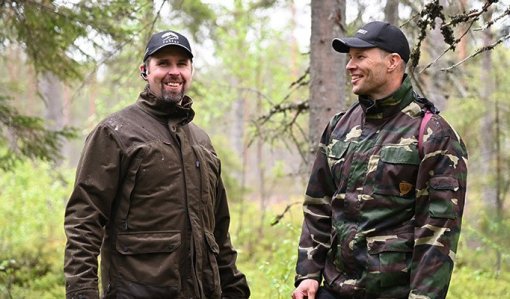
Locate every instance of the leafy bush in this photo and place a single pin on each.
(32, 202)
(472, 283)
(267, 254)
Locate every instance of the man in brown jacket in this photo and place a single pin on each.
(149, 197)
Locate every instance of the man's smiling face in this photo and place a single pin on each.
(169, 73)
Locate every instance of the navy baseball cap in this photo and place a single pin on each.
(166, 38)
(376, 35)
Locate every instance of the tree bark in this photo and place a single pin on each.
(51, 91)
(487, 148)
(462, 46)
(327, 68)
(490, 146)
(391, 12)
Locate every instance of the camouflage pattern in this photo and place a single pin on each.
(382, 220)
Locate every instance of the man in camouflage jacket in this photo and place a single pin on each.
(382, 214)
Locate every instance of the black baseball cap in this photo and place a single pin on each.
(166, 38)
(376, 35)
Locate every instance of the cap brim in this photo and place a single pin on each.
(343, 45)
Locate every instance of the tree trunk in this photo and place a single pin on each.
(51, 90)
(462, 46)
(327, 68)
(487, 133)
(391, 12)
(239, 148)
(499, 182)
(261, 167)
(490, 146)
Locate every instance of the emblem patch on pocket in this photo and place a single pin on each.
(405, 188)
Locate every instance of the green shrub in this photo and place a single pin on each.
(267, 254)
(32, 202)
(473, 283)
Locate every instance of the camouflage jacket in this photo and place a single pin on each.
(381, 219)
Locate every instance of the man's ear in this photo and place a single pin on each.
(394, 61)
(143, 71)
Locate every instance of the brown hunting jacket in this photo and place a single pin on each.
(381, 218)
(149, 198)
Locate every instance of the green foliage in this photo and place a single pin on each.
(475, 275)
(253, 70)
(278, 268)
(62, 38)
(473, 283)
(230, 165)
(267, 256)
(55, 35)
(26, 137)
(196, 14)
(490, 238)
(31, 235)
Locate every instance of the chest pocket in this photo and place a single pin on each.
(336, 152)
(397, 170)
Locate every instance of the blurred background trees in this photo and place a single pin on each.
(266, 83)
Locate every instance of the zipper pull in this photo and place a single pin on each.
(197, 164)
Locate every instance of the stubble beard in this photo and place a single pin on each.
(172, 97)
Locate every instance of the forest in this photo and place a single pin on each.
(265, 84)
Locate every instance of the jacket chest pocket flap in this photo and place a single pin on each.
(148, 242)
(397, 171)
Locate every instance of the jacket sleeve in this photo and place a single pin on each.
(233, 282)
(88, 210)
(440, 197)
(315, 237)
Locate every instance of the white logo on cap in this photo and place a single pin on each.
(169, 37)
(362, 31)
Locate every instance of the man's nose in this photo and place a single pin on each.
(350, 65)
(173, 70)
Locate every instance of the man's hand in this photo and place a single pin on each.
(306, 289)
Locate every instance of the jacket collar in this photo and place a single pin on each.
(164, 110)
(383, 108)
